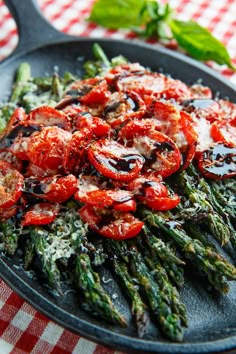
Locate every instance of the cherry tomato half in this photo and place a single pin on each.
(40, 214)
(49, 116)
(218, 162)
(224, 131)
(153, 193)
(103, 198)
(56, 189)
(123, 106)
(161, 153)
(46, 148)
(11, 185)
(115, 161)
(116, 225)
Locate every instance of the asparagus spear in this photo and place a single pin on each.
(10, 237)
(206, 258)
(169, 260)
(118, 252)
(138, 308)
(170, 323)
(170, 291)
(225, 194)
(200, 204)
(29, 253)
(21, 83)
(41, 245)
(95, 299)
(161, 248)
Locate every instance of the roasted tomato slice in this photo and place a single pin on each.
(40, 214)
(8, 156)
(142, 83)
(11, 185)
(115, 161)
(90, 91)
(153, 193)
(49, 116)
(160, 152)
(224, 131)
(96, 125)
(203, 107)
(46, 148)
(75, 150)
(122, 107)
(7, 213)
(218, 162)
(116, 225)
(56, 189)
(17, 116)
(103, 198)
(175, 89)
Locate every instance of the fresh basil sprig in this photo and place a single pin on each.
(149, 18)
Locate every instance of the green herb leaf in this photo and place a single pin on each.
(117, 13)
(199, 42)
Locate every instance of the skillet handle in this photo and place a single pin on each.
(34, 30)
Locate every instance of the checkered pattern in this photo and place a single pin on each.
(23, 329)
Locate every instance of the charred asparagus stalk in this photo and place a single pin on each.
(39, 238)
(170, 291)
(170, 323)
(118, 252)
(95, 299)
(208, 260)
(21, 83)
(201, 205)
(138, 308)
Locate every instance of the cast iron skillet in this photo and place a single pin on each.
(212, 318)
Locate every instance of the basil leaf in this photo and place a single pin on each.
(199, 42)
(117, 13)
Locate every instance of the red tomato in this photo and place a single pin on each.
(41, 214)
(176, 89)
(115, 161)
(56, 189)
(228, 109)
(160, 152)
(95, 124)
(152, 192)
(46, 148)
(75, 150)
(144, 84)
(203, 108)
(17, 116)
(224, 131)
(7, 213)
(49, 116)
(103, 198)
(121, 107)
(200, 91)
(36, 171)
(90, 91)
(8, 156)
(11, 185)
(187, 143)
(219, 161)
(119, 226)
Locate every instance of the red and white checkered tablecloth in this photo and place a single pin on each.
(22, 328)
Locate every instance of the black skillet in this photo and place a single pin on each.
(212, 318)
